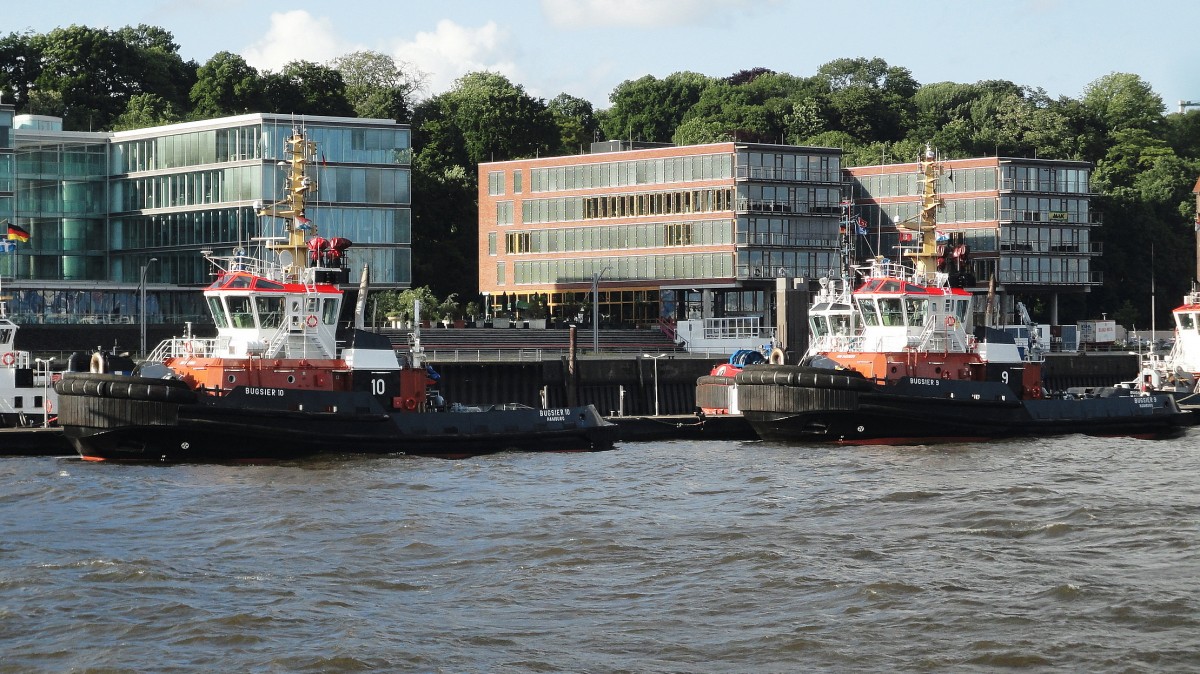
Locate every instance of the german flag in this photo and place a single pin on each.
(17, 233)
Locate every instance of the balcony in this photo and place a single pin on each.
(1046, 278)
(795, 175)
(1038, 248)
(787, 207)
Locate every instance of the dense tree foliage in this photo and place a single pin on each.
(1146, 161)
(227, 85)
(377, 86)
(578, 125)
(649, 109)
(306, 88)
(483, 117)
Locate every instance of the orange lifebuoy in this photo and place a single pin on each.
(9, 358)
(311, 321)
(410, 404)
(950, 321)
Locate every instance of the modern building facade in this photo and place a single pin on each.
(1027, 222)
(660, 232)
(109, 211)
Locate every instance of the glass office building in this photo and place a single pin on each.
(102, 208)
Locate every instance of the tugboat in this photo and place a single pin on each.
(894, 358)
(27, 396)
(1178, 372)
(273, 383)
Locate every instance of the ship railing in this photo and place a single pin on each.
(182, 347)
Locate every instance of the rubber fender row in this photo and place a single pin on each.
(123, 386)
(714, 379)
(799, 375)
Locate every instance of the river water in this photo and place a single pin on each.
(1072, 554)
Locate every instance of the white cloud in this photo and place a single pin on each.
(639, 13)
(451, 51)
(296, 36)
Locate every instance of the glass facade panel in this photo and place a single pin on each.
(98, 206)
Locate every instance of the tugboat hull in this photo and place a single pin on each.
(836, 408)
(110, 417)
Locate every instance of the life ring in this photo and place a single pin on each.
(49, 405)
(410, 404)
(950, 321)
(10, 358)
(777, 356)
(188, 348)
(311, 321)
(98, 364)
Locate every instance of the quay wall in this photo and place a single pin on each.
(621, 383)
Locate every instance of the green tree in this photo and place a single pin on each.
(650, 109)
(226, 85)
(1123, 101)
(868, 98)
(754, 106)
(306, 88)
(157, 68)
(498, 120)
(145, 110)
(96, 71)
(20, 65)
(378, 86)
(1183, 133)
(577, 124)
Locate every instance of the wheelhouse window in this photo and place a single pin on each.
(329, 311)
(870, 313)
(270, 311)
(891, 310)
(218, 312)
(241, 314)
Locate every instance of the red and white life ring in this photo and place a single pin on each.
(9, 358)
(950, 321)
(49, 405)
(311, 321)
(188, 348)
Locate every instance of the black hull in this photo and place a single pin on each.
(924, 411)
(241, 428)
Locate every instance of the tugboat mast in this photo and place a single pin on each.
(925, 259)
(291, 209)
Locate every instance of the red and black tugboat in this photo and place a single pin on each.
(273, 383)
(894, 357)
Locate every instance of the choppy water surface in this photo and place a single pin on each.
(1078, 554)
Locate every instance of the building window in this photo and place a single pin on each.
(677, 234)
(517, 182)
(495, 183)
(504, 213)
(517, 242)
(491, 243)
(499, 273)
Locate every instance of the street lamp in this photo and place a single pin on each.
(142, 290)
(655, 359)
(596, 309)
(44, 364)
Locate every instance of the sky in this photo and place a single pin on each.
(587, 47)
